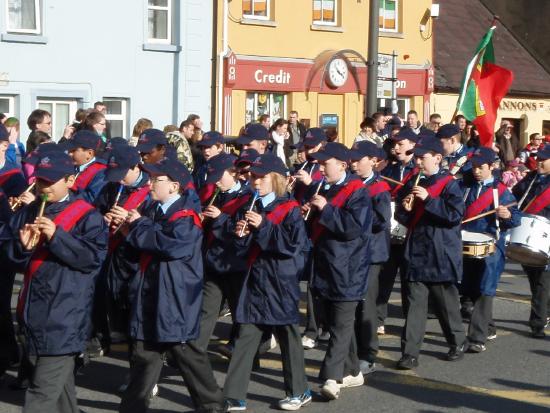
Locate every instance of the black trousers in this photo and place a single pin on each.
(8, 343)
(145, 368)
(447, 310)
(216, 289)
(387, 277)
(539, 281)
(52, 385)
(292, 353)
(341, 357)
(366, 319)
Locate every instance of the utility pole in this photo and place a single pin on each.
(372, 60)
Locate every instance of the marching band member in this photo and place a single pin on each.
(432, 209)
(365, 157)
(534, 194)
(455, 154)
(340, 232)
(166, 293)
(243, 162)
(59, 243)
(211, 145)
(153, 146)
(255, 136)
(481, 275)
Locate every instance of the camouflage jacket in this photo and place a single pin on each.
(183, 150)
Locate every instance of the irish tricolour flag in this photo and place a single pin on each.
(483, 87)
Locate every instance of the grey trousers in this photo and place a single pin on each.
(366, 319)
(480, 320)
(51, 386)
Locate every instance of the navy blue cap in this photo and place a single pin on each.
(544, 153)
(211, 138)
(267, 163)
(247, 157)
(121, 159)
(448, 131)
(217, 165)
(4, 135)
(426, 134)
(171, 168)
(382, 154)
(314, 136)
(53, 166)
(405, 133)
(427, 145)
(332, 150)
(41, 150)
(362, 149)
(483, 155)
(253, 132)
(84, 139)
(149, 139)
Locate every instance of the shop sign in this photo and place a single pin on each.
(522, 106)
(281, 78)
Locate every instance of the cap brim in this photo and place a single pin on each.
(320, 156)
(116, 174)
(243, 140)
(418, 151)
(145, 147)
(152, 169)
(214, 177)
(51, 179)
(356, 155)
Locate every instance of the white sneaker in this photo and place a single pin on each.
(366, 367)
(381, 331)
(272, 343)
(308, 343)
(330, 389)
(154, 392)
(353, 381)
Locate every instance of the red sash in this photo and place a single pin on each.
(206, 193)
(65, 220)
(85, 177)
(434, 191)
(405, 179)
(230, 208)
(146, 258)
(539, 203)
(483, 201)
(377, 188)
(133, 201)
(8, 174)
(338, 201)
(276, 217)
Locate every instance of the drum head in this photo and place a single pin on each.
(525, 255)
(476, 237)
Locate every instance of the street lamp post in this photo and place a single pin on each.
(372, 74)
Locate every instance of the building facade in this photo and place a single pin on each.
(310, 56)
(144, 58)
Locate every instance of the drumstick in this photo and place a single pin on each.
(416, 184)
(316, 193)
(256, 195)
(36, 236)
(529, 204)
(393, 181)
(484, 214)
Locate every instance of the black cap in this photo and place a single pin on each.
(217, 165)
(211, 138)
(253, 132)
(149, 139)
(364, 148)
(405, 133)
(4, 135)
(332, 150)
(53, 166)
(544, 153)
(121, 159)
(314, 136)
(84, 139)
(448, 131)
(171, 168)
(41, 150)
(247, 157)
(483, 155)
(427, 145)
(267, 163)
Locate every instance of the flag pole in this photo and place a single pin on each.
(493, 23)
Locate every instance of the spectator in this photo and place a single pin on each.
(434, 123)
(512, 175)
(95, 122)
(182, 147)
(16, 150)
(528, 156)
(141, 125)
(367, 133)
(507, 142)
(413, 122)
(265, 121)
(332, 134)
(187, 130)
(197, 124)
(380, 126)
(40, 120)
(297, 132)
(3, 118)
(280, 139)
(101, 107)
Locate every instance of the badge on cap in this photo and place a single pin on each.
(45, 162)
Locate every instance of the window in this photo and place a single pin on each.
(62, 112)
(324, 12)
(256, 9)
(159, 15)
(117, 115)
(260, 103)
(7, 105)
(23, 16)
(387, 20)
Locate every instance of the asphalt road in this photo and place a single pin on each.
(511, 376)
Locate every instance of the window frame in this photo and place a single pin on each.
(255, 114)
(11, 105)
(322, 22)
(116, 117)
(37, 16)
(267, 17)
(383, 29)
(73, 106)
(169, 10)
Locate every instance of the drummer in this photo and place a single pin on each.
(533, 193)
(481, 275)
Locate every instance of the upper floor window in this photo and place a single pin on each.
(159, 15)
(23, 16)
(388, 15)
(324, 12)
(256, 9)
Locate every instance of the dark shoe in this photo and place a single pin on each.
(466, 313)
(19, 385)
(407, 363)
(225, 350)
(476, 348)
(455, 353)
(538, 333)
(492, 334)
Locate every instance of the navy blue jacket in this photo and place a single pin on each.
(271, 291)
(15, 184)
(465, 172)
(398, 172)
(166, 298)
(433, 250)
(541, 184)
(379, 244)
(92, 190)
(340, 255)
(58, 306)
(199, 176)
(303, 192)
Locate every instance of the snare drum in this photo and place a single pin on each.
(530, 242)
(477, 245)
(398, 231)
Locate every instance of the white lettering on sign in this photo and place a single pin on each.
(401, 84)
(281, 78)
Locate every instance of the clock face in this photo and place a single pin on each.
(337, 72)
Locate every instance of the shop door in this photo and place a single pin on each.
(331, 105)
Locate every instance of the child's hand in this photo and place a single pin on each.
(254, 219)
(26, 234)
(133, 215)
(46, 227)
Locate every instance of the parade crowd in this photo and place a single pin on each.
(148, 240)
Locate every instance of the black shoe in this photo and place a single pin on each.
(19, 384)
(455, 353)
(407, 363)
(466, 313)
(538, 333)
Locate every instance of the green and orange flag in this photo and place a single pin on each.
(483, 87)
